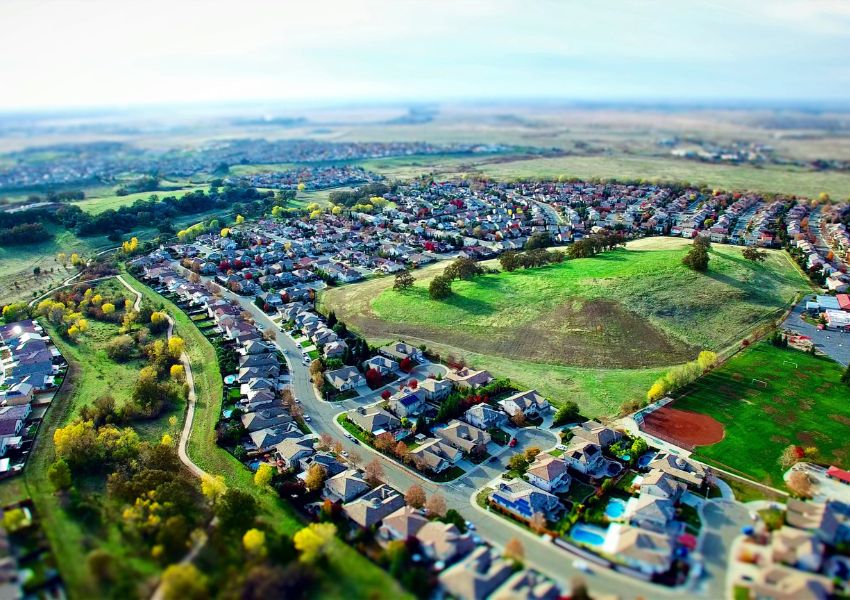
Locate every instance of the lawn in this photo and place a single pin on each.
(348, 574)
(596, 330)
(96, 204)
(804, 403)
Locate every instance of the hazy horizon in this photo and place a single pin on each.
(92, 55)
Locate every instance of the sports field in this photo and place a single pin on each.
(629, 310)
(767, 398)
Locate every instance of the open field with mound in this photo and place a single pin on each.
(796, 399)
(628, 310)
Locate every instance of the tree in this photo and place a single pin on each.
(415, 496)
(254, 542)
(177, 372)
(108, 308)
(264, 474)
(790, 456)
(697, 257)
(754, 254)
(656, 392)
(462, 268)
(568, 412)
(184, 581)
(384, 442)
(240, 219)
(76, 443)
(403, 280)
(236, 510)
(314, 541)
(373, 378)
(213, 488)
(706, 359)
(401, 451)
(515, 551)
(440, 287)
(59, 475)
(509, 260)
(374, 473)
(315, 478)
(800, 484)
(518, 462)
(538, 522)
(176, 345)
(16, 311)
(436, 505)
(120, 348)
(166, 440)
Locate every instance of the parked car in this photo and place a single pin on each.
(512, 443)
(307, 418)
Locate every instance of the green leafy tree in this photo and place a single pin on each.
(403, 281)
(440, 288)
(59, 475)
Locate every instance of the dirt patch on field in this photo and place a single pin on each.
(682, 427)
(592, 333)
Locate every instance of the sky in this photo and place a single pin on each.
(73, 53)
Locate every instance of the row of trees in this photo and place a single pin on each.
(461, 268)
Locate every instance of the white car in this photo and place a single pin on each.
(582, 565)
(307, 418)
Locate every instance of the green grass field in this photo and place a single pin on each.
(602, 321)
(96, 204)
(747, 178)
(804, 404)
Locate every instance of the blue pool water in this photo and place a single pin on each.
(588, 534)
(645, 459)
(230, 379)
(615, 509)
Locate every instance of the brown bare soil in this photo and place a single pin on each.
(683, 427)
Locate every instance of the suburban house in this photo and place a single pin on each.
(291, 451)
(466, 378)
(464, 437)
(652, 513)
(374, 419)
(406, 404)
(346, 378)
(647, 551)
(484, 417)
(476, 576)
(796, 548)
(371, 508)
(528, 585)
(659, 484)
(435, 389)
(398, 351)
(266, 439)
(597, 433)
(381, 364)
(530, 403)
(585, 457)
(443, 541)
(402, 524)
(435, 455)
(779, 582)
(345, 487)
(523, 500)
(687, 471)
(549, 473)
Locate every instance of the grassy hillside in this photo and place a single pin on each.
(619, 318)
(804, 403)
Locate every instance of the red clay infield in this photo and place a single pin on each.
(683, 428)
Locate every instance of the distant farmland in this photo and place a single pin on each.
(621, 317)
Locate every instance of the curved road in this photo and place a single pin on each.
(540, 554)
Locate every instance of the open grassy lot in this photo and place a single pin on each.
(96, 204)
(804, 403)
(630, 312)
(348, 574)
(768, 179)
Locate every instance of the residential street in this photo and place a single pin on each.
(540, 554)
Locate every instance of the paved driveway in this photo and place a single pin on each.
(834, 344)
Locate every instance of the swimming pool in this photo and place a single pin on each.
(615, 509)
(588, 534)
(645, 459)
(230, 379)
